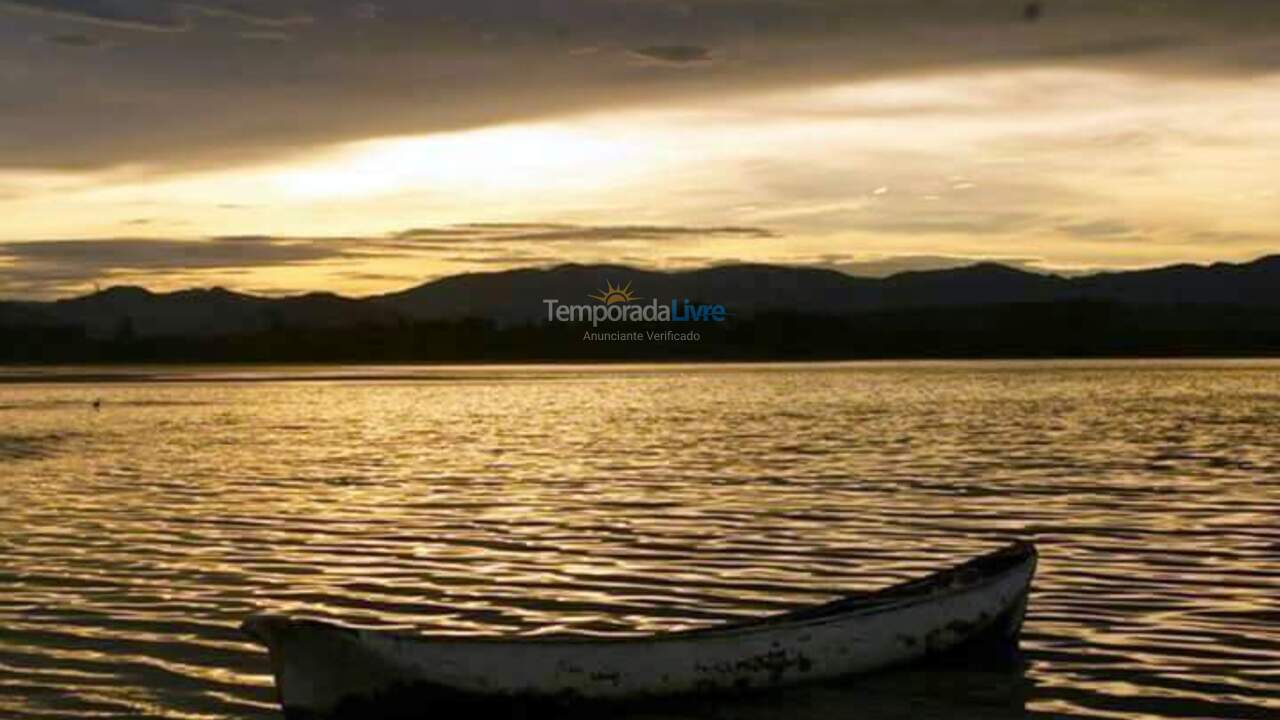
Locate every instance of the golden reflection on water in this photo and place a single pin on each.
(634, 499)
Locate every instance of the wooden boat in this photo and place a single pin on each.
(326, 670)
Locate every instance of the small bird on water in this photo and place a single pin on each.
(1032, 11)
(97, 403)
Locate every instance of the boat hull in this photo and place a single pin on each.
(325, 670)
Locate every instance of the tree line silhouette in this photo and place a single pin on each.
(1056, 329)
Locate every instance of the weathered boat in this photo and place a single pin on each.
(326, 670)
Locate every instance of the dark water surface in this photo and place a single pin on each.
(134, 538)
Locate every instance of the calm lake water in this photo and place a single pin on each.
(134, 538)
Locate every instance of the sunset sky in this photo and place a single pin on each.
(360, 147)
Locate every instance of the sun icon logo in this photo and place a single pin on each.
(614, 294)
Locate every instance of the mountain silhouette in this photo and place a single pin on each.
(774, 312)
(749, 289)
(516, 296)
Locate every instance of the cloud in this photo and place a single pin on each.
(46, 267)
(514, 259)
(415, 67)
(948, 222)
(43, 268)
(152, 15)
(143, 254)
(881, 267)
(674, 54)
(77, 40)
(379, 277)
(253, 14)
(155, 15)
(1096, 229)
(266, 35)
(1226, 236)
(564, 233)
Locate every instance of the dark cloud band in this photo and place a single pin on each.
(48, 267)
(411, 67)
(153, 15)
(674, 54)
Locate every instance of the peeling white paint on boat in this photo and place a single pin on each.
(320, 666)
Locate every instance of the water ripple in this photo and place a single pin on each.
(639, 499)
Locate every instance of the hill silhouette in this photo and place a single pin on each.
(776, 311)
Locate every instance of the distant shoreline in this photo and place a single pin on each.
(257, 372)
(1010, 331)
(770, 314)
